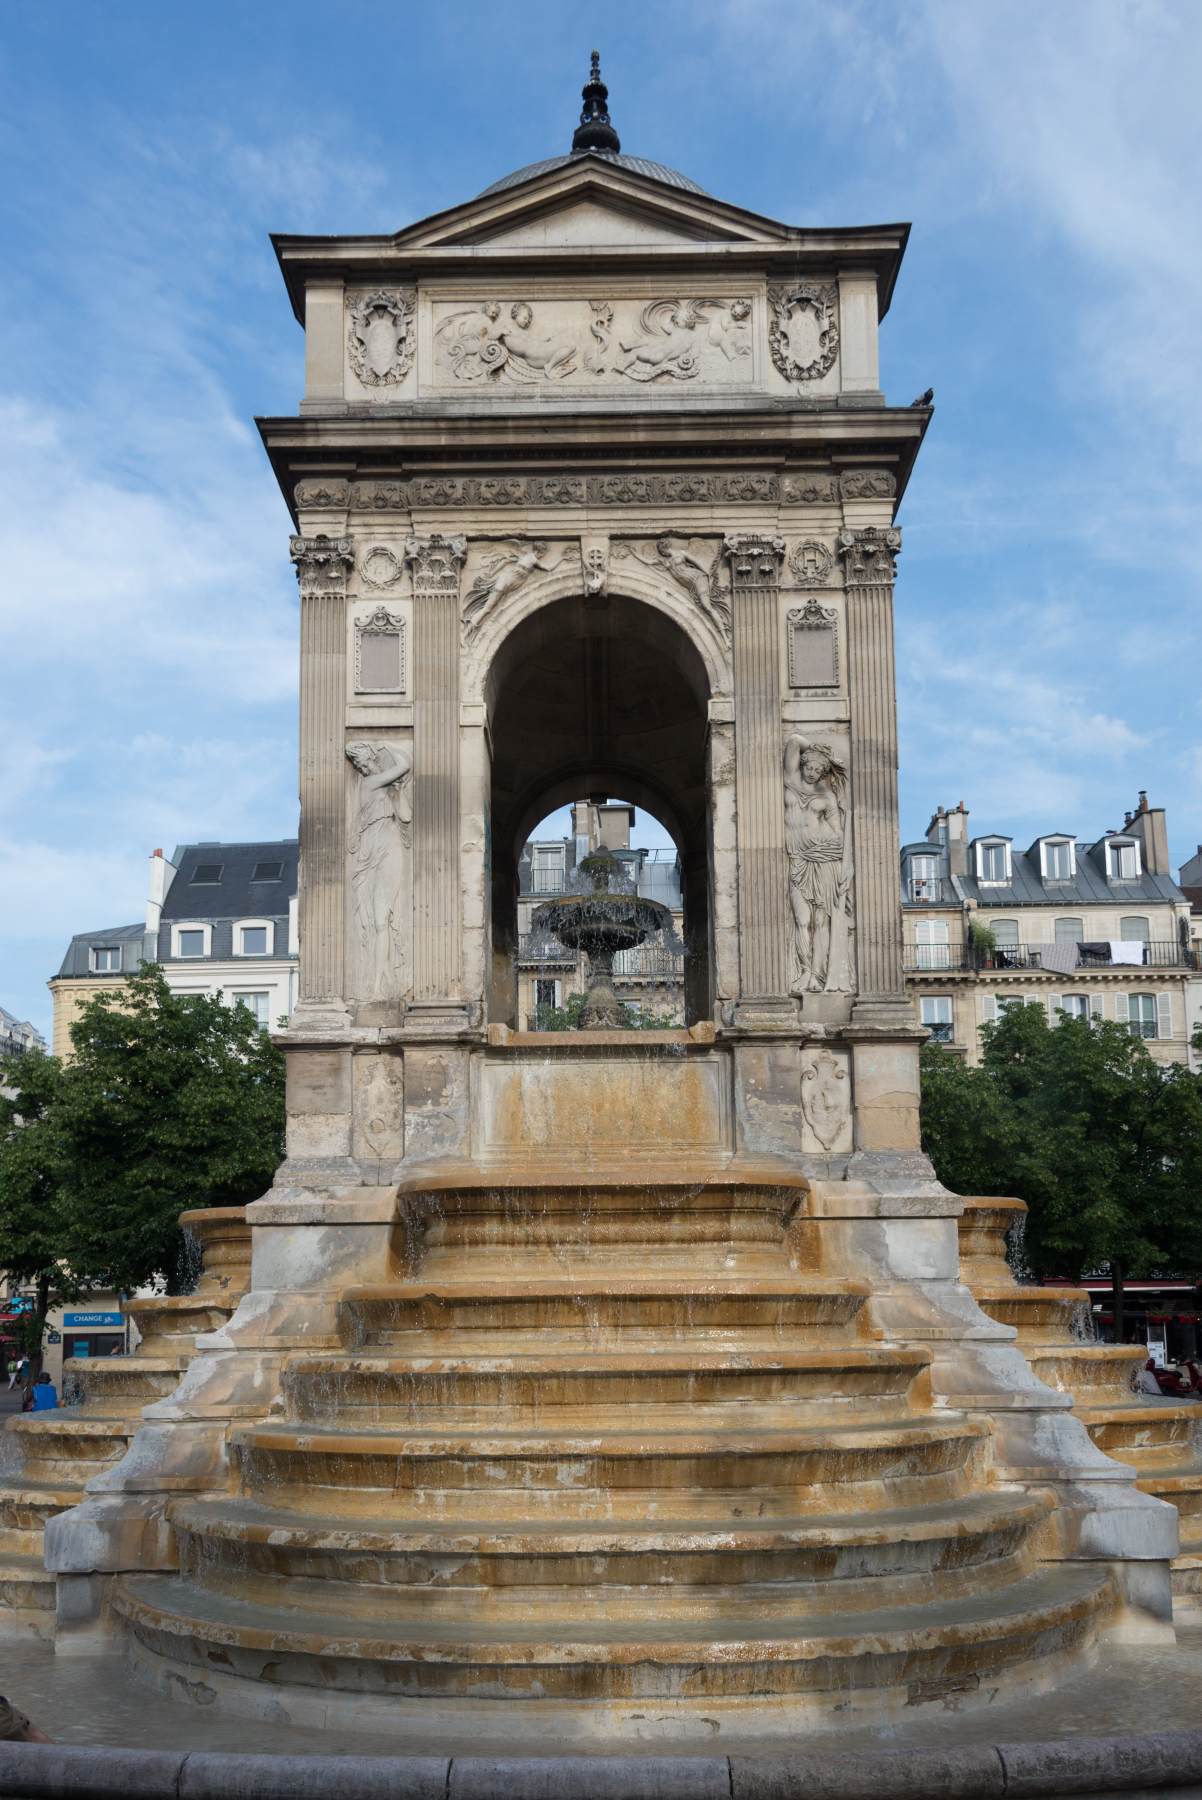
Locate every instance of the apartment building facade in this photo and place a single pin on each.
(219, 918)
(1097, 929)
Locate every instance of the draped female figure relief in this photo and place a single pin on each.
(818, 847)
(379, 839)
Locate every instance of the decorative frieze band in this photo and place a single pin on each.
(680, 489)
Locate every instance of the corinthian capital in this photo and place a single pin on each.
(436, 562)
(870, 556)
(754, 558)
(322, 563)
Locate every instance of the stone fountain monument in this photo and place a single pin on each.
(601, 1383)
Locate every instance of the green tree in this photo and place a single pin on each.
(1076, 1118)
(172, 1101)
(30, 1196)
(567, 1017)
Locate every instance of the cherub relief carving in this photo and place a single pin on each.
(500, 575)
(818, 846)
(380, 835)
(668, 345)
(551, 354)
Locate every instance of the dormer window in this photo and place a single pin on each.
(993, 861)
(1122, 860)
(1058, 859)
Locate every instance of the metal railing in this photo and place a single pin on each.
(925, 959)
(541, 947)
(929, 890)
(650, 959)
(941, 1031)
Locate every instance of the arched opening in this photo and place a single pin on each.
(587, 699)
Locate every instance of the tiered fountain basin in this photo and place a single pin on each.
(1160, 1438)
(57, 1453)
(597, 1446)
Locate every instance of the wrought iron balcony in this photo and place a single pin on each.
(651, 960)
(541, 948)
(927, 959)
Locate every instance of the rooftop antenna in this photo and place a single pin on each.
(595, 130)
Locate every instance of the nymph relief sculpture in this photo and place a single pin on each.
(380, 834)
(818, 846)
(501, 575)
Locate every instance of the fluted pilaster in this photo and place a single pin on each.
(437, 910)
(869, 558)
(763, 868)
(322, 564)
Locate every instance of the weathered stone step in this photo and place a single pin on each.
(976, 1636)
(559, 1473)
(66, 1447)
(116, 1383)
(1145, 1432)
(244, 1548)
(1095, 1374)
(391, 1389)
(27, 1596)
(26, 1505)
(685, 1304)
(1040, 1315)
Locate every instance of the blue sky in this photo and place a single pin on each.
(1048, 602)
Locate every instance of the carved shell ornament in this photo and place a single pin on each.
(803, 330)
(381, 336)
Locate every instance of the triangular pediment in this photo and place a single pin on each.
(595, 204)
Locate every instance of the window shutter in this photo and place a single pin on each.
(1164, 1015)
(1055, 1007)
(1120, 1008)
(1095, 1006)
(988, 1009)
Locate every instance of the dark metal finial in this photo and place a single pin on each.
(595, 130)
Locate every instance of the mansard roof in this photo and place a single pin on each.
(234, 894)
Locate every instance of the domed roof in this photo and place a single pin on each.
(641, 165)
(595, 136)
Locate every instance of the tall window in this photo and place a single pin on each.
(546, 868)
(257, 1004)
(935, 1010)
(1141, 1015)
(1007, 1002)
(1005, 933)
(1058, 860)
(1134, 930)
(993, 862)
(1122, 862)
(546, 994)
(106, 959)
(930, 936)
(1075, 1005)
(1069, 931)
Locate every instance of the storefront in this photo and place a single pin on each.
(92, 1334)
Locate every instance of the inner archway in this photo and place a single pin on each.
(592, 697)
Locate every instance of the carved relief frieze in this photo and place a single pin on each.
(583, 342)
(813, 646)
(380, 335)
(808, 490)
(379, 660)
(819, 855)
(574, 490)
(812, 563)
(870, 556)
(321, 493)
(378, 846)
(867, 484)
(826, 1099)
(695, 565)
(499, 574)
(322, 563)
(803, 329)
(380, 567)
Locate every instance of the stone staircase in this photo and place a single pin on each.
(607, 1443)
(50, 1457)
(1159, 1437)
